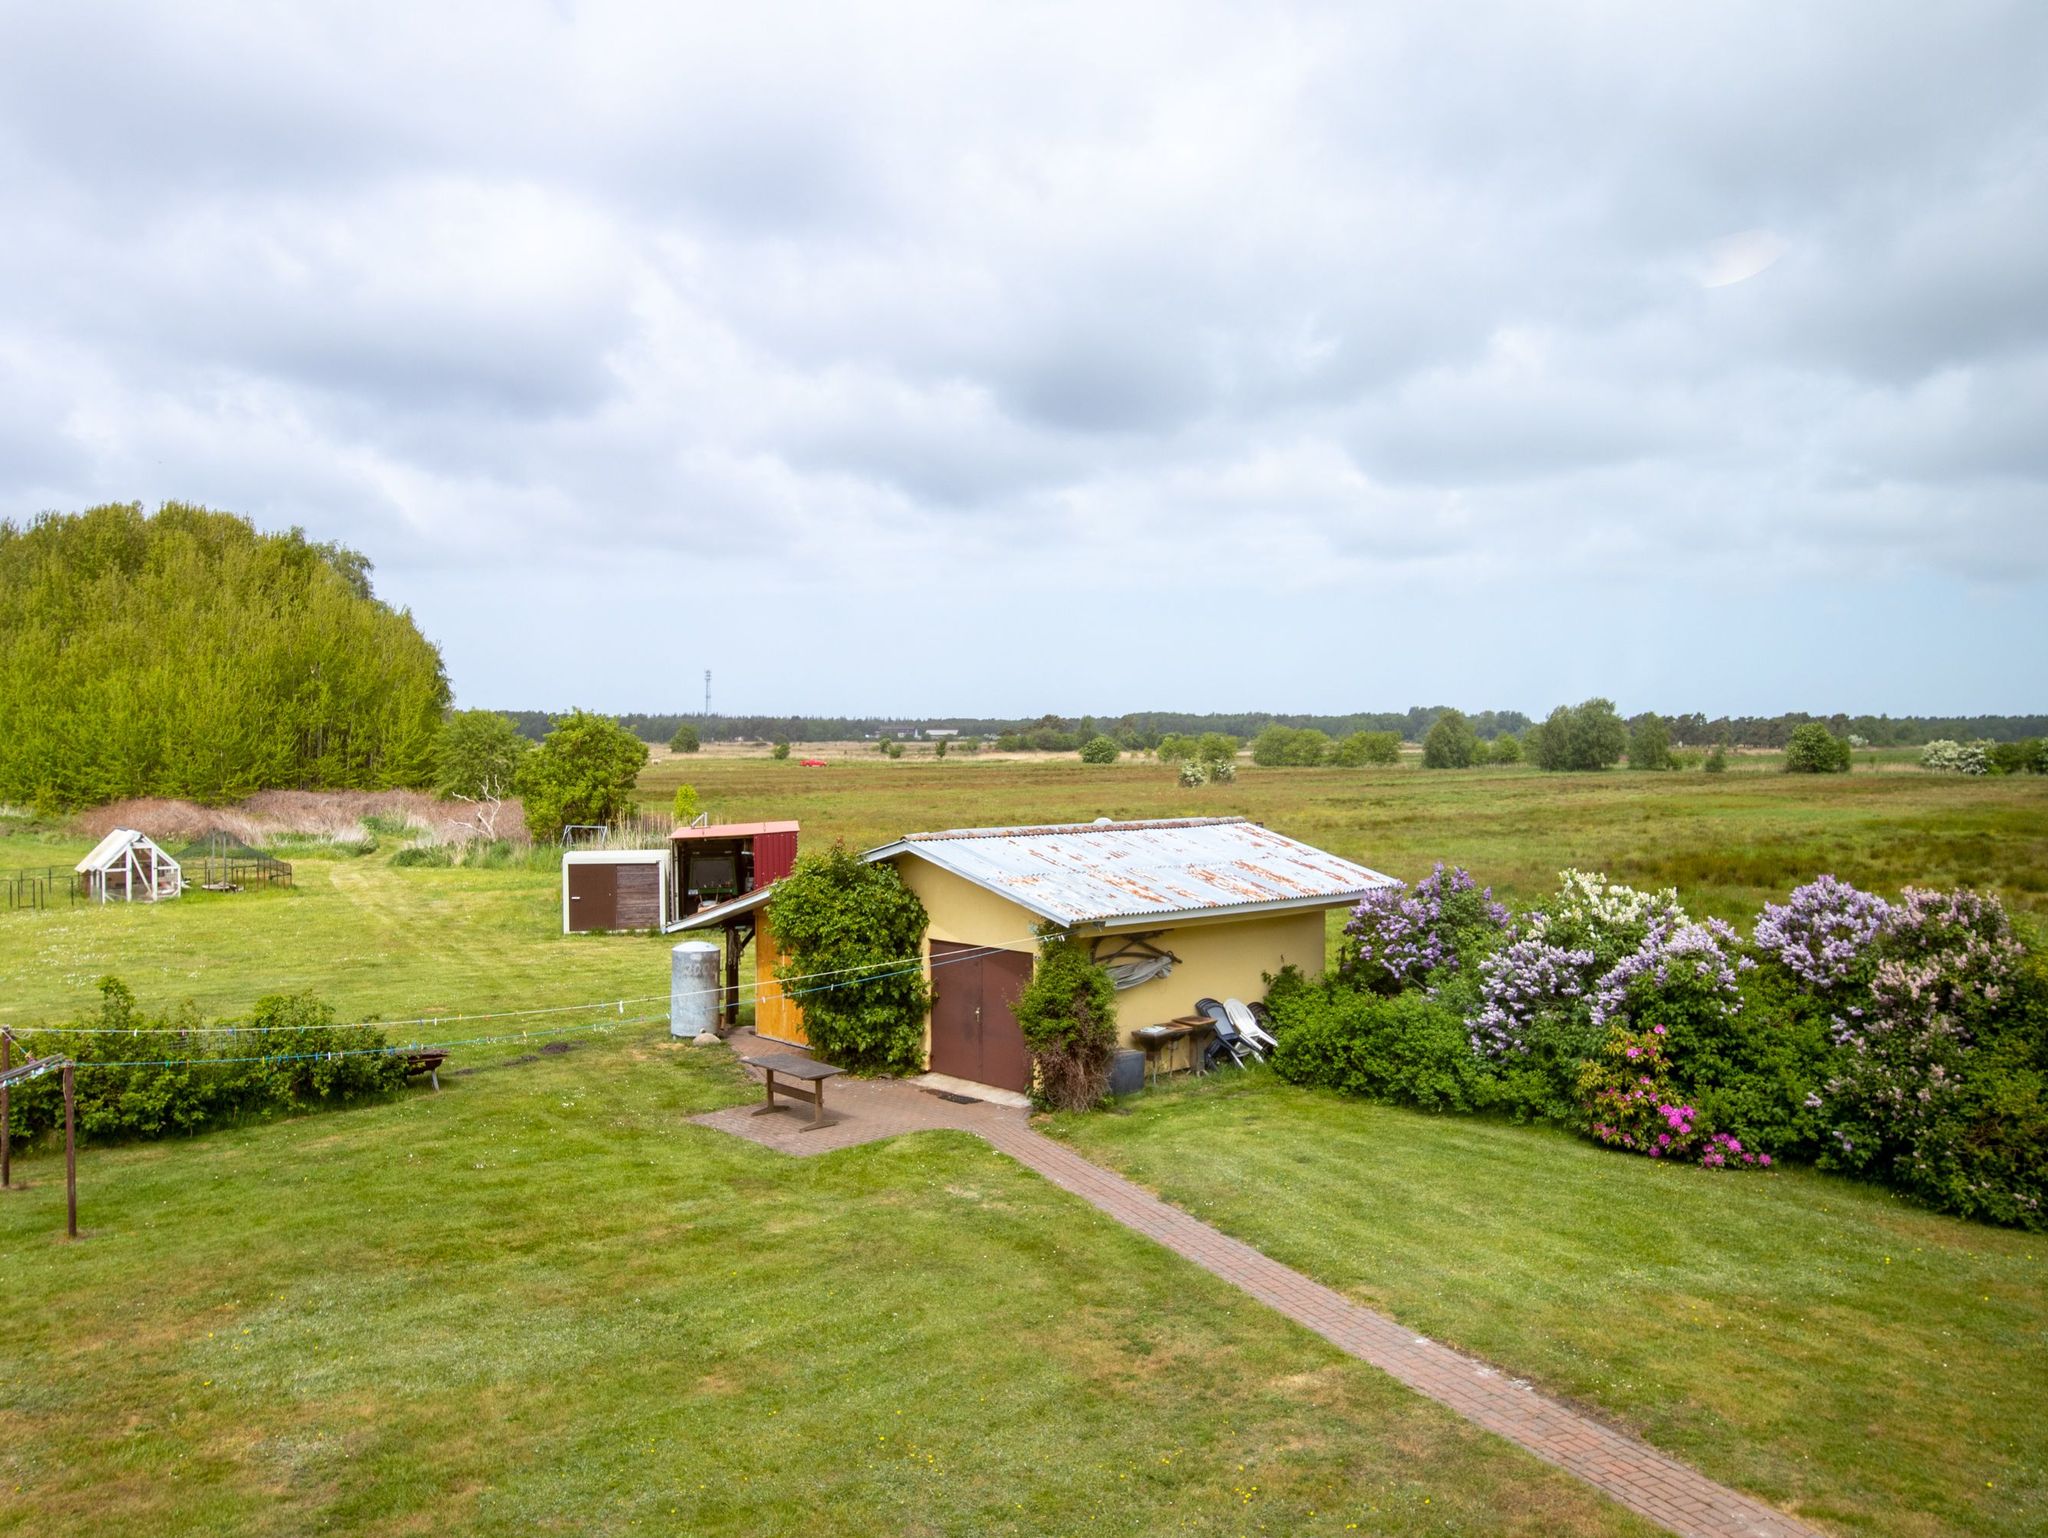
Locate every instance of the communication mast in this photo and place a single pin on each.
(707, 694)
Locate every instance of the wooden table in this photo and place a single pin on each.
(1165, 1037)
(805, 1071)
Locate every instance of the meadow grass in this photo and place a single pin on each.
(1820, 1343)
(1730, 842)
(543, 1302)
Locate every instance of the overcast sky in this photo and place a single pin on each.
(1007, 358)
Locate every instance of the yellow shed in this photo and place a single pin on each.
(1177, 910)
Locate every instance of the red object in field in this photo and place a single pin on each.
(811, 763)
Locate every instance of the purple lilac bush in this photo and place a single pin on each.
(1518, 984)
(1822, 934)
(1686, 958)
(1397, 936)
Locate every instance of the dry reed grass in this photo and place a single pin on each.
(329, 816)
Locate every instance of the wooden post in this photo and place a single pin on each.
(70, 1159)
(6, 1125)
(731, 1010)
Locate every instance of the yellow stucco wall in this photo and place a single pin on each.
(964, 913)
(1220, 959)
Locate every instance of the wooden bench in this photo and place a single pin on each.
(804, 1071)
(428, 1063)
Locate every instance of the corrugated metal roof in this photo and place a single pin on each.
(1083, 873)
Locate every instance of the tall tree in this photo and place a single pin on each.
(186, 654)
(1649, 742)
(1584, 736)
(583, 772)
(1450, 742)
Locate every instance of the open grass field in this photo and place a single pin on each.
(1730, 842)
(1817, 1342)
(542, 1302)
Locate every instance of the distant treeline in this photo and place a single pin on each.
(1144, 729)
(185, 654)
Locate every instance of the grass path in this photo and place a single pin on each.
(1822, 1344)
(541, 1302)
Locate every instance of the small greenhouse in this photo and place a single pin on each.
(127, 866)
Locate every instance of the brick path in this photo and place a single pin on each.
(1638, 1476)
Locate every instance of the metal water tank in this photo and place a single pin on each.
(693, 989)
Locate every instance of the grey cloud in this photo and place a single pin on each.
(841, 302)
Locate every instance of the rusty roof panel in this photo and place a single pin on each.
(1089, 872)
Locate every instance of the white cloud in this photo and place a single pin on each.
(1740, 257)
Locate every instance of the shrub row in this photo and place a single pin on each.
(1905, 1041)
(148, 1076)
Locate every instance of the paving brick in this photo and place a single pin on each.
(1632, 1472)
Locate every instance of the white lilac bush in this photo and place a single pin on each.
(1951, 757)
(1592, 913)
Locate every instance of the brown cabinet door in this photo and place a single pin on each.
(975, 1035)
(593, 897)
(1005, 1060)
(956, 1009)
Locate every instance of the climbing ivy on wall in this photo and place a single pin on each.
(851, 934)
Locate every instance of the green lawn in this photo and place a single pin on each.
(541, 1302)
(1817, 1342)
(370, 938)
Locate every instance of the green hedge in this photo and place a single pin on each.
(1406, 1049)
(148, 1076)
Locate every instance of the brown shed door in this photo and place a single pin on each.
(593, 897)
(974, 1033)
(636, 898)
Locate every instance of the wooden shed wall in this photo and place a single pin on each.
(776, 1014)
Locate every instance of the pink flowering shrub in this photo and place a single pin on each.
(1629, 1098)
(1724, 1151)
(1631, 1102)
